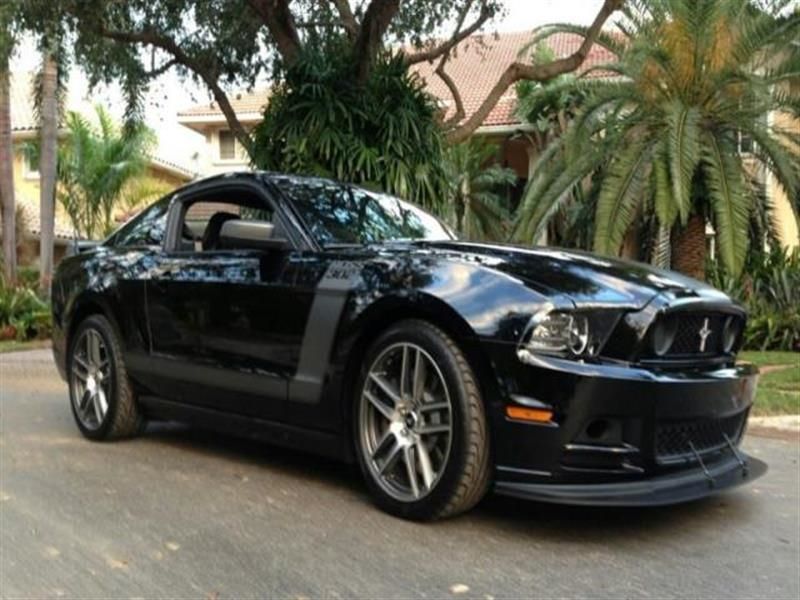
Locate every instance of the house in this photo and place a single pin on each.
(24, 129)
(223, 152)
(474, 66)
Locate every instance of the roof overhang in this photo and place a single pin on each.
(510, 129)
(31, 134)
(159, 164)
(202, 123)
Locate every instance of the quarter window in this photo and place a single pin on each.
(145, 229)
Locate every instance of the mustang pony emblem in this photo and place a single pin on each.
(704, 333)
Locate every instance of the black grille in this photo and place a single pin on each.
(674, 439)
(688, 335)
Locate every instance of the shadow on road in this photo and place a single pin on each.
(539, 520)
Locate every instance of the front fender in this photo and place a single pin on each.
(471, 302)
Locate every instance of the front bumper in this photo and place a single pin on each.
(681, 486)
(664, 436)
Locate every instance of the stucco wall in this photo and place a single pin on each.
(784, 221)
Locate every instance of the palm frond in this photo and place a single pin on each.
(603, 39)
(684, 155)
(662, 248)
(723, 170)
(549, 188)
(620, 193)
(780, 159)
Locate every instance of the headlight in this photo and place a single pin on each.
(558, 333)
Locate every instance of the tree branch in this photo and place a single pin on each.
(458, 36)
(448, 81)
(543, 72)
(160, 70)
(205, 72)
(451, 85)
(377, 18)
(278, 18)
(347, 17)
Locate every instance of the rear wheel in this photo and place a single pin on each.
(421, 434)
(103, 402)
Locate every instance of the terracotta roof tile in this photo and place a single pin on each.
(22, 116)
(28, 211)
(242, 102)
(474, 66)
(477, 62)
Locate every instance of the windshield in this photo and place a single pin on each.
(341, 214)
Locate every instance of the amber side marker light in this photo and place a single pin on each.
(536, 415)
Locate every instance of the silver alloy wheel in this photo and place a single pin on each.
(90, 379)
(406, 423)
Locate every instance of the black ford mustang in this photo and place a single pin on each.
(325, 317)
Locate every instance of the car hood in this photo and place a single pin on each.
(585, 279)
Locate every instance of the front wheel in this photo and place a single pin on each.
(421, 434)
(102, 398)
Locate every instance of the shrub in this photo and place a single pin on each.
(384, 135)
(769, 287)
(23, 314)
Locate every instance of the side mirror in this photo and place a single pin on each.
(250, 235)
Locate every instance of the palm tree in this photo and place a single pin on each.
(48, 110)
(691, 80)
(97, 169)
(479, 211)
(7, 204)
(8, 213)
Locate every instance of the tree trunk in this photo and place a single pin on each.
(47, 169)
(7, 177)
(689, 248)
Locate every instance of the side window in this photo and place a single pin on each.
(145, 229)
(204, 223)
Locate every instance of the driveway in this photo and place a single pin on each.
(180, 513)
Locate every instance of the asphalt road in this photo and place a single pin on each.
(183, 514)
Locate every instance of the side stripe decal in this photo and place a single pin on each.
(323, 320)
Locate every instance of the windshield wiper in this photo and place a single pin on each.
(342, 245)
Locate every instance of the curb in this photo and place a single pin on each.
(785, 427)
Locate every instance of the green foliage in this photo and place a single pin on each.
(549, 108)
(384, 135)
(95, 164)
(690, 78)
(23, 314)
(769, 287)
(476, 204)
(222, 44)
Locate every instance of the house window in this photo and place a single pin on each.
(227, 145)
(31, 164)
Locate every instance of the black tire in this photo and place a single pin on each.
(464, 479)
(123, 417)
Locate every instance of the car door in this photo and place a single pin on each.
(226, 322)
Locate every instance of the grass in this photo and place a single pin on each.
(15, 346)
(763, 359)
(778, 389)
